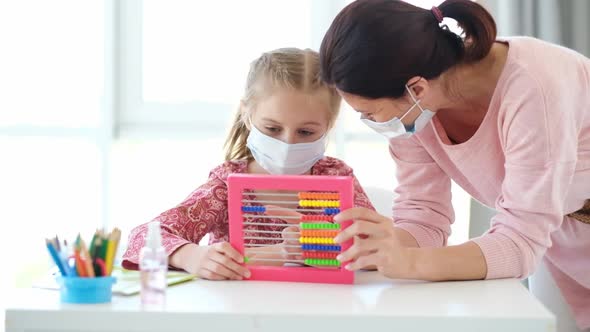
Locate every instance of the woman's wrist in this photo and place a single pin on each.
(461, 262)
(405, 238)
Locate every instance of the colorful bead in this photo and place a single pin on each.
(320, 254)
(316, 217)
(253, 209)
(316, 233)
(331, 211)
(305, 225)
(320, 247)
(318, 203)
(320, 240)
(322, 262)
(318, 196)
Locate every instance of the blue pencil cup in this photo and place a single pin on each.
(86, 290)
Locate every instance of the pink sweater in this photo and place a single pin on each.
(529, 160)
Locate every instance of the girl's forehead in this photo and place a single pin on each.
(297, 105)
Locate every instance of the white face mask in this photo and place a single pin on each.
(394, 128)
(278, 157)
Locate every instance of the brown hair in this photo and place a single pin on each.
(373, 47)
(289, 68)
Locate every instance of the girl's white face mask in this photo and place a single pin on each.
(394, 128)
(278, 157)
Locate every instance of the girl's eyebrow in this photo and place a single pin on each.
(313, 123)
(270, 120)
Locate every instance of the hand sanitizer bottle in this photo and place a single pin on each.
(153, 266)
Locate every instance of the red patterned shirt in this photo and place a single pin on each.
(205, 211)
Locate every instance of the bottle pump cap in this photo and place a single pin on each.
(154, 236)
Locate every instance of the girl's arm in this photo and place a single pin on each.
(203, 211)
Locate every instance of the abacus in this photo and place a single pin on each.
(318, 198)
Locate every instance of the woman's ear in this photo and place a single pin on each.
(419, 87)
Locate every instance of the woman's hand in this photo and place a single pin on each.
(219, 261)
(376, 243)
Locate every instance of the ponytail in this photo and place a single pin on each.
(235, 144)
(477, 24)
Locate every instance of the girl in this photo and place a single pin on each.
(280, 128)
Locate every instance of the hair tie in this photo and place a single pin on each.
(437, 14)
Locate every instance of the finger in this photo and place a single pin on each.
(361, 213)
(294, 216)
(358, 249)
(292, 253)
(226, 249)
(290, 232)
(362, 262)
(210, 275)
(217, 265)
(360, 228)
(235, 269)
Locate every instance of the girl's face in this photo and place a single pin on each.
(292, 116)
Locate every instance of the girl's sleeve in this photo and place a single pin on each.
(203, 212)
(360, 197)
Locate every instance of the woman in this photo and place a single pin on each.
(508, 120)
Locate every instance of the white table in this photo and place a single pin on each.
(372, 304)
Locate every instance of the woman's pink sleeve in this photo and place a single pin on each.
(422, 205)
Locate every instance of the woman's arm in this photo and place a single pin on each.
(539, 142)
(393, 251)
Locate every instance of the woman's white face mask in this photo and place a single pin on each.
(278, 157)
(394, 128)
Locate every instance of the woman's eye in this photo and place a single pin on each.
(306, 132)
(272, 129)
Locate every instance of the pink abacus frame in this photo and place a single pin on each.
(238, 183)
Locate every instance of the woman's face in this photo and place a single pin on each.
(383, 109)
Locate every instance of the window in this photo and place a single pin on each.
(166, 76)
(52, 128)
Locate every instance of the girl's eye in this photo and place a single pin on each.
(273, 129)
(306, 132)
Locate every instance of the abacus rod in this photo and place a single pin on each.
(269, 217)
(269, 202)
(256, 245)
(284, 194)
(271, 194)
(277, 260)
(267, 224)
(285, 225)
(270, 232)
(263, 238)
(279, 202)
(272, 253)
(318, 209)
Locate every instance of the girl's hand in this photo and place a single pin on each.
(375, 244)
(290, 240)
(219, 261)
(290, 234)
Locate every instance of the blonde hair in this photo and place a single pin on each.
(289, 68)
